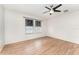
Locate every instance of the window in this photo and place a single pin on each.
(32, 26)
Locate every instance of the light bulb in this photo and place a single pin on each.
(51, 11)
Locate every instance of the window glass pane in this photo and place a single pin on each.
(38, 23)
(28, 22)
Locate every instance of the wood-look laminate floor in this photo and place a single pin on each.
(42, 46)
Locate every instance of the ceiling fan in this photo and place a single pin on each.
(52, 9)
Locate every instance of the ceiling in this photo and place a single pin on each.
(38, 9)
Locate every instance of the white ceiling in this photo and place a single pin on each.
(38, 9)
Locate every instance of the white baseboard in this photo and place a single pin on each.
(61, 38)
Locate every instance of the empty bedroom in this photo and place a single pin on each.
(39, 29)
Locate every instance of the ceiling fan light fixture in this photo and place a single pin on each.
(51, 11)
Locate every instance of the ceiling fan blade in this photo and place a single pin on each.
(57, 11)
(47, 8)
(57, 6)
(45, 12)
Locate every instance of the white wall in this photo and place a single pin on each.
(65, 26)
(15, 27)
(1, 27)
